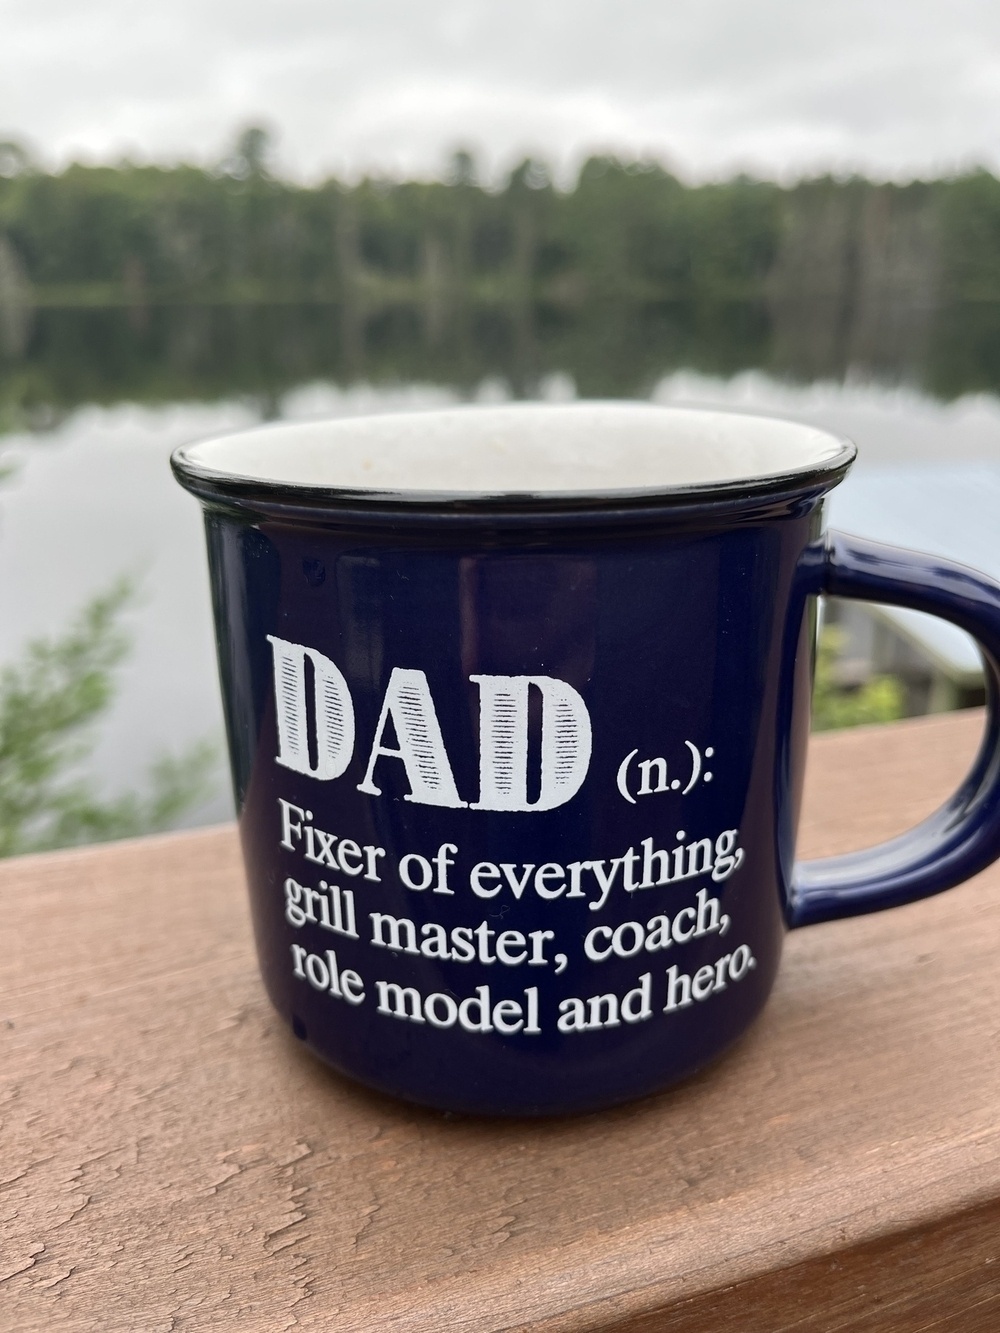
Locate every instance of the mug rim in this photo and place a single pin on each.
(223, 484)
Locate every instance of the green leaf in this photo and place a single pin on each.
(880, 699)
(50, 702)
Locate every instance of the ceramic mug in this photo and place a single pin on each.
(517, 701)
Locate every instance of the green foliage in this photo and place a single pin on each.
(622, 228)
(462, 169)
(251, 155)
(155, 283)
(15, 159)
(878, 700)
(49, 701)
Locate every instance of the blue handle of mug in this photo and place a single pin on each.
(963, 836)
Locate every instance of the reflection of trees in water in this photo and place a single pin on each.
(215, 351)
(614, 349)
(965, 351)
(15, 303)
(857, 283)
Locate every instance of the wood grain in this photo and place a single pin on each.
(171, 1159)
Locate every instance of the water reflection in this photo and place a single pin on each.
(166, 353)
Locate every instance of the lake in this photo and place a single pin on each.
(91, 497)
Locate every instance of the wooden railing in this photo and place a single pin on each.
(170, 1157)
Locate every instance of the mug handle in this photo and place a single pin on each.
(963, 835)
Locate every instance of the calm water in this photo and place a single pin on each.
(92, 497)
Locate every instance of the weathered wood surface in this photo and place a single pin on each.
(171, 1159)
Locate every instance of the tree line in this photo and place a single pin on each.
(623, 229)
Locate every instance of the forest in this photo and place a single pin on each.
(165, 281)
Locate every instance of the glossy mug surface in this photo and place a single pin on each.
(517, 703)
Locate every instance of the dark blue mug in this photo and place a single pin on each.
(517, 702)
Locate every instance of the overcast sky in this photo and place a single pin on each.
(777, 87)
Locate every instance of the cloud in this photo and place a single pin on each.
(778, 86)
